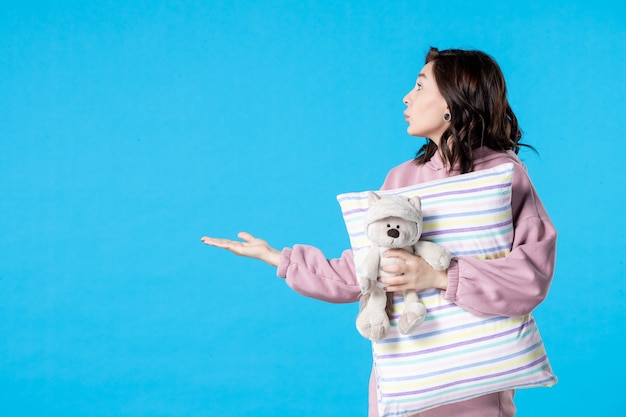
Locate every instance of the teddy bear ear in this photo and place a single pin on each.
(416, 201)
(372, 197)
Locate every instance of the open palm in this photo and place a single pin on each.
(251, 247)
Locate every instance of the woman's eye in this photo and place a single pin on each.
(418, 86)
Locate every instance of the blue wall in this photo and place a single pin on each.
(128, 130)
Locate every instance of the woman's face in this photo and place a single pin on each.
(426, 107)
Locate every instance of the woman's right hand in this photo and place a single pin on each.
(252, 247)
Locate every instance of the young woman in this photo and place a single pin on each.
(459, 103)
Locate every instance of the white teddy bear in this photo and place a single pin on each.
(391, 222)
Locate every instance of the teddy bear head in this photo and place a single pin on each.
(393, 221)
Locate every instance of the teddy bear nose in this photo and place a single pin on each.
(394, 233)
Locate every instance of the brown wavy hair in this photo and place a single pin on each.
(473, 86)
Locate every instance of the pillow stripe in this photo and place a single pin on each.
(471, 367)
(448, 232)
(454, 355)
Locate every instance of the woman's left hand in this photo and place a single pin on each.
(412, 272)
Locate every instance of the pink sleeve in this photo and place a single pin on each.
(516, 284)
(308, 272)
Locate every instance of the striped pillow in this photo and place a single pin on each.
(454, 355)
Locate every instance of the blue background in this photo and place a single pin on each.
(128, 130)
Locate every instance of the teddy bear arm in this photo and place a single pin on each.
(370, 265)
(368, 272)
(435, 255)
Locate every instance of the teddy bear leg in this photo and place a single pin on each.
(414, 313)
(372, 321)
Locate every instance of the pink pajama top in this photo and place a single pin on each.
(509, 286)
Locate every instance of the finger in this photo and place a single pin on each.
(395, 288)
(394, 268)
(245, 236)
(397, 253)
(220, 243)
(393, 281)
(207, 240)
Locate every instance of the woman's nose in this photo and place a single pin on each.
(405, 99)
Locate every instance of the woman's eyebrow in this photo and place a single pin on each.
(421, 74)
